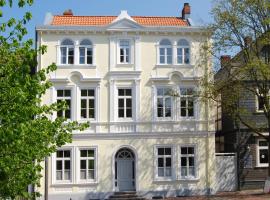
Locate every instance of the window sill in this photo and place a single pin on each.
(125, 65)
(159, 180)
(174, 65)
(188, 179)
(76, 66)
(74, 184)
(261, 166)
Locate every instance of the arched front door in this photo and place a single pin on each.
(125, 170)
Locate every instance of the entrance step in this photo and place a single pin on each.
(125, 196)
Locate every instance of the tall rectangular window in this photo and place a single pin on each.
(187, 155)
(86, 55)
(183, 55)
(187, 102)
(262, 153)
(124, 51)
(125, 103)
(165, 55)
(64, 95)
(164, 103)
(87, 164)
(67, 55)
(164, 162)
(88, 104)
(63, 165)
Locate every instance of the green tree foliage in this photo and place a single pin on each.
(242, 26)
(27, 133)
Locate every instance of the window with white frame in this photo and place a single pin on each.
(183, 52)
(164, 103)
(63, 165)
(262, 153)
(64, 95)
(187, 102)
(260, 103)
(87, 104)
(187, 162)
(164, 162)
(124, 51)
(67, 52)
(165, 52)
(86, 52)
(87, 164)
(124, 103)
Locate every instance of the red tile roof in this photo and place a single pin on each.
(60, 20)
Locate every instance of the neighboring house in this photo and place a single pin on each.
(231, 136)
(117, 73)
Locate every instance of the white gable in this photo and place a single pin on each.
(124, 21)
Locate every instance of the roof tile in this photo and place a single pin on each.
(60, 20)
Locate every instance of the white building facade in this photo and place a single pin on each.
(133, 79)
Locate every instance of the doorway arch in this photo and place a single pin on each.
(125, 170)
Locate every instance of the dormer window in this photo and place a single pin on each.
(183, 52)
(265, 54)
(124, 51)
(86, 52)
(165, 52)
(67, 52)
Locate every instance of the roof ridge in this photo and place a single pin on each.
(116, 16)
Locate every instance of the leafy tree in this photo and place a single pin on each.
(242, 26)
(27, 133)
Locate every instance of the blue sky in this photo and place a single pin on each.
(200, 9)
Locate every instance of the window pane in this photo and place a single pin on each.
(264, 156)
(91, 164)
(186, 52)
(67, 175)
(160, 92)
(91, 153)
(160, 112)
(121, 112)
(83, 153)
(91, 113)
(121, 103)
(183, 161)
(122, 52)
(82, 55)
(184, 150)
(263, 143)
(83, 164)
(160, 162)
(179, 55)
(91, 93)
(129, 103)
(168, 151)
(67, 114)
(58, 175)
(183, 112)
(161, 172)
(83, 174)
(70, 55)
(121, 92)
(168, 171)
(59, 154)
(83, 93)
(190, 150)
(168, 112)
(168, 102)
(161, 151)
(183, 171)
(169, 60)
(128, 92)
(191, 161)
(60, 93)
(192, 171)
(162, 59)
(160, 102)
(91, 103)
(84, 113)
(168, 162)
(91, 174)
(67, 93)
(83, 103)
(190, 112)
(67, 164)
(67, 154)
(63, 55)
(129, 112)
(59, 165)
(162, 51)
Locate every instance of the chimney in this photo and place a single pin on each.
(186, 11)
(68, 12)
(225, 60)
(247, 40)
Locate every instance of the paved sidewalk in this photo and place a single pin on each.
(242, 195)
